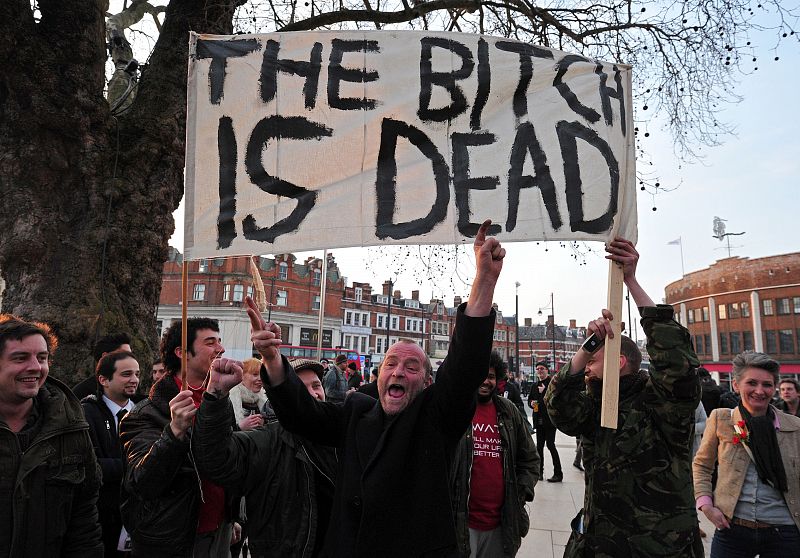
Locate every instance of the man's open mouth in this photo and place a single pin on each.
(396, 391)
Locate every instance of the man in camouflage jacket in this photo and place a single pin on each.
(638, 500)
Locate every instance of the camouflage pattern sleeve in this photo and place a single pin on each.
(571, 409)
(706, 457)
(673, 391)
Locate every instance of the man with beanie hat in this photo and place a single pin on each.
(335, 381)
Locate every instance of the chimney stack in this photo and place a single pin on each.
(387, 286)
(397, 294)
(528, 322)
(572, 324)
(456, 301)
(414, 295)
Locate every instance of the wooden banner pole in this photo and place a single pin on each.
(609, 410)
(184, 309)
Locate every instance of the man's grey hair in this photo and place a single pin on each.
(752, 359)
(427, 364)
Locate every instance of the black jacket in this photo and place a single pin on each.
(370, 389)
(276, 471)
(56, 481)
(161, 496)
(538, 407)
(392, 493)
(103, 433)
(512, 393)
(520, 474)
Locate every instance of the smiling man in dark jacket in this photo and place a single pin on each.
(395, 454)
(118, 376)
(287, 481)
(49, 477)
(168, 508)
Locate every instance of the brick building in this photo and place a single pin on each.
(538, 343)
(356, 317)
(217, 288)
(739, 304)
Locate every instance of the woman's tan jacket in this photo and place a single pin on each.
(733, 461)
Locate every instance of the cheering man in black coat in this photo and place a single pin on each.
(391, 494)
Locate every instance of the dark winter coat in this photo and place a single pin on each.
(161, 498)
(511, 392)
(276, 472)
(520, 474)
(392, 492)
(539, 415)
(638, 500)
(56, 482)
(103, 432)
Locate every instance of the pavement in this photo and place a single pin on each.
(555, 504)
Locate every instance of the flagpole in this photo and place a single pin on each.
(679, 242)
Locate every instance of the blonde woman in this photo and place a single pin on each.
(756, 503)
(248, 398)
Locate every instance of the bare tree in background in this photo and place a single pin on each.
(91, 171)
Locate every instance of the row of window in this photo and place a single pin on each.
(413, 324)
(781, 306)
(235, 293)
(780, 341)
(729, 343)
(502, 335)
(283, 273)
(384, 299)
(733, 310)
(356, 342)
(380, 343)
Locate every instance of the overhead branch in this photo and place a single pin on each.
(419, 10)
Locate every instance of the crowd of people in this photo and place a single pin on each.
(302, 458)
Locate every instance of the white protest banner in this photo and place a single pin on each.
(300, 141)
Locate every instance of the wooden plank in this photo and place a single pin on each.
(184, 310)
(609, 410)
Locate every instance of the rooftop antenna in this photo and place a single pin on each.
(720, 234)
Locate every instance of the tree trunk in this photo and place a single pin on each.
(88, 197)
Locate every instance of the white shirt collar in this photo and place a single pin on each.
(114, 408)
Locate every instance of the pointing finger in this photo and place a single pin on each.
(480, 238)
(256, 321)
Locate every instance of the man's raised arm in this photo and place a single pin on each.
(488, 262)
(624, 253)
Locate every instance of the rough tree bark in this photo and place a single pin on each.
(88, 197)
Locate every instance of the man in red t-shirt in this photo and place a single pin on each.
(490, 488)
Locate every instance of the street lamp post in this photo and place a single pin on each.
(516, 331)
(553, 310)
